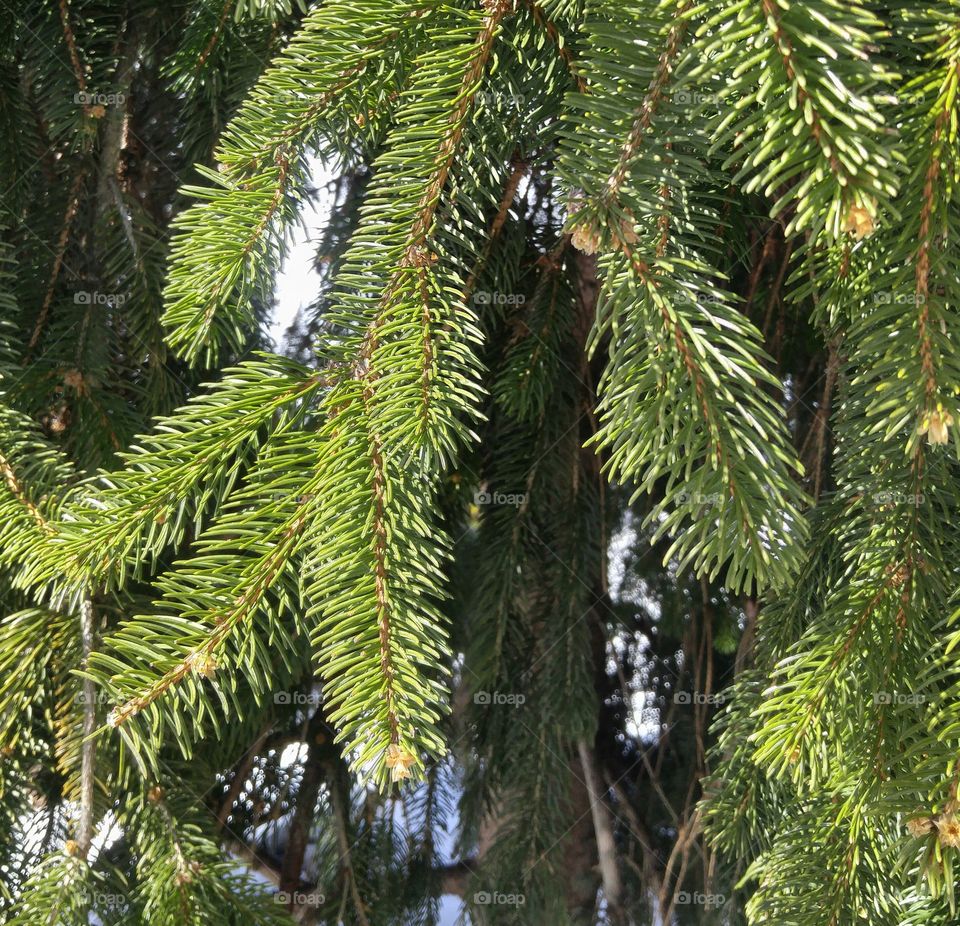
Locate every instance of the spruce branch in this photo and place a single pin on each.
(393, 352)
(230, 242)
(820, 148)
(125, 520)
(215, 35)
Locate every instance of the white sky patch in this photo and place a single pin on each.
(644, 722)
(297, 282)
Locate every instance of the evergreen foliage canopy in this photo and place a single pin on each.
(669, 285)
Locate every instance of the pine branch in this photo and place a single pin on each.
(821, 146)
(124, 521)
(379, 634)
(229, 244)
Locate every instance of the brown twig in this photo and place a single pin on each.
(73, 204)
(224, 13)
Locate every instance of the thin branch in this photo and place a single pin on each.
(201, 659)
(71, 43)
(771, 15)
(218, 29)
(643, 116)
(19, 492)
(554, 34)
(88, 748)
(603, 831)
(73, 204)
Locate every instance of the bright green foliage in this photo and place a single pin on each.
(667, 283)
(185, 470)
(856, 728)
(719, 441)
(802, 116)
(348, 53)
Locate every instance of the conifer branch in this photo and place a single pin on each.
(818, 129)
(202, 659)
(215, 36)
(147, 507)
(644, 114)
(19, 493)
(548, 26)
(363, 401)
(519, 171)
(931, 179)
(71, 43)
(73, 204)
